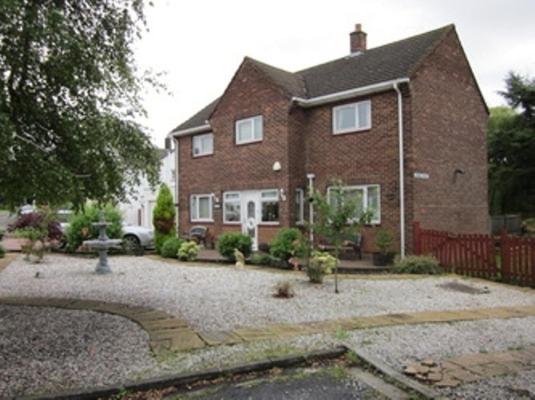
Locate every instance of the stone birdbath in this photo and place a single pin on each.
(102, 245)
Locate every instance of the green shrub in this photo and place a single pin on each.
(384, 240)
(417, 265)
(320, 264)
(2, 251)
(286, 244)
(170, 247)
(227, 242)
(188, 251)
(163, 217)
(265, 259)
(81, 228)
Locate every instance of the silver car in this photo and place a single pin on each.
(135, 237)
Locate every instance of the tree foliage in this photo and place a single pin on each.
(511, 149)
(335, 219)
(163, 217)
(69, 98)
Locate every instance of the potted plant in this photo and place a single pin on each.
(383, 242)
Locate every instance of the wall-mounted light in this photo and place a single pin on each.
(282, 195)
(276, 166)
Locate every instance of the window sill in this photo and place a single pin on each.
(202, 221)
(345, 132)
(249, 142)
(202, 155)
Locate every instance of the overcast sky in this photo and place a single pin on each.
(200, 44)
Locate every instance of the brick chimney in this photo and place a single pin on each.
(357, 39)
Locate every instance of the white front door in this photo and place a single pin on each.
(250, 215)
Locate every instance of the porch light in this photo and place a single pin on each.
(276, 166)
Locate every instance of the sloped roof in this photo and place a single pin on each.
(199, 118)
(379, 64)
(290, 82)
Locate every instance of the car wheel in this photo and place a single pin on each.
(131, 244)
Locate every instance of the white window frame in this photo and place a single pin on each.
(356, 127)
(197, 197)
(364, 188)
(199, 138)
(251, 121)
(225, 194)
(269, 200)
(300, 202)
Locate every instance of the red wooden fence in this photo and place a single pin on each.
(479, 255)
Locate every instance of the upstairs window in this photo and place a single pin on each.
(249, 130)
(201, 208)
(203, 144)
(352, 117)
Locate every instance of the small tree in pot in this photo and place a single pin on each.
(336, 218)
(383, 241)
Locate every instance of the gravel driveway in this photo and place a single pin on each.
(214, 298)
(63, 349)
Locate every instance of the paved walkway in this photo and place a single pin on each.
(472, 367)
(168, 333)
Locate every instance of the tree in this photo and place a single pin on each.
(163, 217)
(69, 98)
(511, 149)
(336, 220)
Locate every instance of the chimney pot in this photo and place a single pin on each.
(357, 39)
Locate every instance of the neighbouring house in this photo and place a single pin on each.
(138, 209)
(402, 125)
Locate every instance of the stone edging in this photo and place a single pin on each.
(188, 378)
(378, 365)
(6, 260)
(166, 332)
(376, 321)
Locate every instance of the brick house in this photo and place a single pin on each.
(402, 125)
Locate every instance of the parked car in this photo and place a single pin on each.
(135, 238)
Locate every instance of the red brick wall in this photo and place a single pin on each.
(444, 129)
(366, 157)
(239, 167)
(449, 123)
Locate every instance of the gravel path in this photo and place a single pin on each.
(64, 349)
(214, 298)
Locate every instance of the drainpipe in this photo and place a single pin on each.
(311, 206)
(401, 172)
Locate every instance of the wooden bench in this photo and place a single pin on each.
(352, 243)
